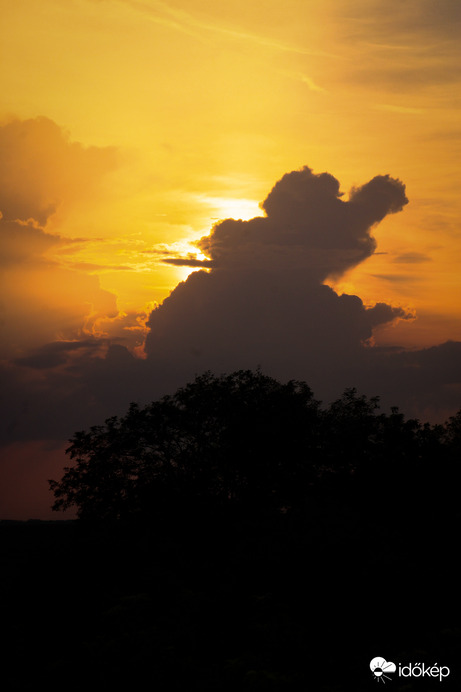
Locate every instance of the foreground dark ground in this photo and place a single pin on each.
(237, 602)
(237, 536)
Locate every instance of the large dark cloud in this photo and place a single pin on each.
(307, 225)
(264, 301)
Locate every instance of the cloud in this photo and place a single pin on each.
(57, 353)
(305, 79)
(412, 258)
(382, 313)
(188, 262)
(42, 300)
(404, 47)
(398, 278)
(404, 24)
(425, 383)
(192, 25)
(42, 170)
(92, 267)
(400, 80)
(308, 225)
(264, 301)
(24, 241)
(435, 18)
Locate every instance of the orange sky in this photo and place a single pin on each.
(128, 128)
(188, 111)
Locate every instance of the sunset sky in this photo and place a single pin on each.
(129, 128)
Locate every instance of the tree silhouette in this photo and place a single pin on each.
(242, 439)
(246, 441)
(255, 531)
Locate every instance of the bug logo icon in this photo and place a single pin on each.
(380, 669)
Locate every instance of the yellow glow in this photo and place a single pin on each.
(232, 208)
(206, 105)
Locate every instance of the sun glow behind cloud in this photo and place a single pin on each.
(231, 208)
(203, 106)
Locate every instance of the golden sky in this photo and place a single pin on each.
(195, 108)
(128, 128)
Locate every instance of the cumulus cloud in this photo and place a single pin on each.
(42, 170)
(43, 301)
(308, 225)
(264, 301)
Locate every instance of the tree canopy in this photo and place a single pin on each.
(234, 528)
(245, 441)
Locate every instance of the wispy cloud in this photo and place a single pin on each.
(189, 262)
(398, 278)
(412, 258)
(305, 79)
(92, 267)
(180, 20)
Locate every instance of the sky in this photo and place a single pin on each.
(195, 185)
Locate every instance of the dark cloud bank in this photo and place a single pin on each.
(259, 301)
(264, 302)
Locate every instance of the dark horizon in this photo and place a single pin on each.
(235, 535)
